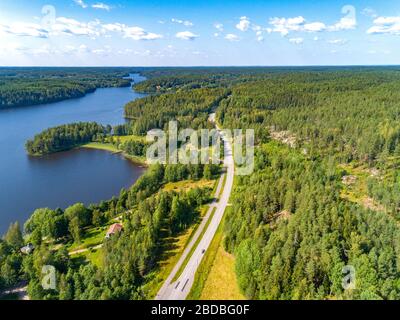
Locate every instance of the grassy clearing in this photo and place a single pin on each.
(112, 148)
(123, 139)
(187, 185)
(221, 282)
(91, 238)
(102, 146)
(182, 267)
(357, 189)
(95, 256)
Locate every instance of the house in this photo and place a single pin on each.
(28, 249)
(115, 228)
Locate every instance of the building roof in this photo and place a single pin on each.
(116, 227)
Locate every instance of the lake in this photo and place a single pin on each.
(61, 179)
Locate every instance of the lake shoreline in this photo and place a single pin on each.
(51, 180)
(141, 161)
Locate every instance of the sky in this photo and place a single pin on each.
(199, 33)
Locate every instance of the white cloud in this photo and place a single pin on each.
(186, 23)
(81, 3)
(259, 38)
(369, 12)
(138, 33)
(338, 41)
(346, 23)
(243, 24)
(286, 25)
(101, 6)
(299, 24)
(186, 35)
(24, 29)
(232, 37)
(219, 27)
(296, 40)
(385, 25)
(70, 26)
(315, 27)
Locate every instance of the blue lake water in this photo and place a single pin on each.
(62, 179)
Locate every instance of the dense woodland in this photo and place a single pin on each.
(65, 137)
(31, 86)
(290, 228)
(190, 108)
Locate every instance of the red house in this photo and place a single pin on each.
(115, 228)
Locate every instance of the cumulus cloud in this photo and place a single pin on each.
(296, 40)
(346, 23)
(138, 33)
(70, 26)
(286, 25)
(385, 25)
(25, 30)
(315, 27)
(186, 35)
(243, 24)
(219, 27)
(232, 37)
(101, 6)
(186, 23)
(81, 3)
(299, 24)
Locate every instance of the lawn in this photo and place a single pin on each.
(95, 256)
(91, 238)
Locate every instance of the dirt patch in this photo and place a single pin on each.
(349, 180)
(371, 204)
(285, 137)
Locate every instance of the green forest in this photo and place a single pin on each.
(31, 86)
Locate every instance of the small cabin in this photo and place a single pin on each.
(113, 229)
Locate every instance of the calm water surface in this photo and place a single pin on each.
(61, 179)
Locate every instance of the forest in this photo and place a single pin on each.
(31, 86)
(65, 137)
(293, 224)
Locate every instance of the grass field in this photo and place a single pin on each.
(112, 148)
(211, 266)
(221, 282)
(91, 238)
(187, 185)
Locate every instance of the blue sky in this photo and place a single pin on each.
(191, 33)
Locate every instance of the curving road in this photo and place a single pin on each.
(179, 289)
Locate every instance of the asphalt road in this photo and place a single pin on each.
(179, 289)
